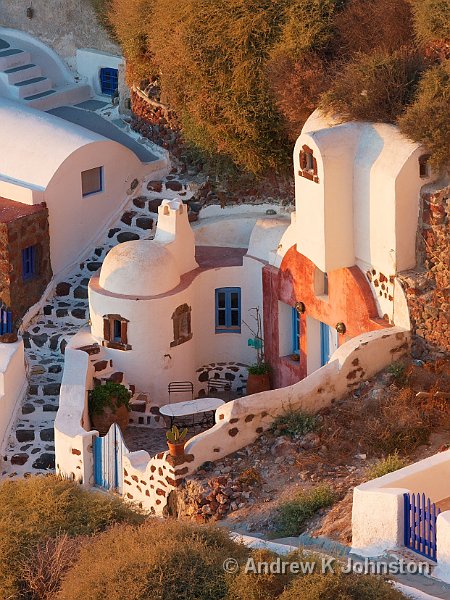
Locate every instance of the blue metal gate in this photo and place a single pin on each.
(420, 525)
(108, 452)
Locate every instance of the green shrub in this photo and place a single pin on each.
(293, 514)
(131, 21)
(36, 509)
(374, 87)
(398, 371)
(431, 19)
(391, 463)
(294, 423)
(259, 369)
(164, 560)
(340, 586)
(426, 120)
(308, 27)
(110, 395)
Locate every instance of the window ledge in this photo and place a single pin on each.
(228, 330)
(309, 175)
(181, 340)
(116, 345)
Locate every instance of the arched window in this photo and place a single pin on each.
(182, 331)
(308, 164)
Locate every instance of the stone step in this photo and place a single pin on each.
(40, 95)
(17, 74)
(29, 87)
(3, 44)
(13, 57)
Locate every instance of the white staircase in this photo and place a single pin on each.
(23, 80)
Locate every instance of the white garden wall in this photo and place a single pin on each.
(148, 480)
(13, 385)
(378, 509)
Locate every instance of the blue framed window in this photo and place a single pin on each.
(228, 310)
(295, 331)
(92, 181)
(109, 81)
(29, 262)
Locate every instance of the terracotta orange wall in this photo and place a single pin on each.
(350, 301)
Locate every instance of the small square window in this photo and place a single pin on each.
(29, 262)
(92, 181)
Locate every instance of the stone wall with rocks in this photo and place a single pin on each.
(427, 287)
(30, 228)
(234, 373)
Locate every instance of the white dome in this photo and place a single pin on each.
(139, 268)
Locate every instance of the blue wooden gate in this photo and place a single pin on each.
(5, 321)
(420, 525)
(108, 452)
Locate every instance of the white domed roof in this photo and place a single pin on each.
(139, 268)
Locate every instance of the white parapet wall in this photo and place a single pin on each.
(13, 385)
(378, 509)
(73, 441)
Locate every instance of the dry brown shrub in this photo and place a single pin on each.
(51, 559)
(296, 86)
(379, 24)
(396, 421)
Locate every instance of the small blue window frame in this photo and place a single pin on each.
(117, 331)
(228, 327)
(6, 324)
(109, 81)
(100, 188)
(29, 263)
(295, 331)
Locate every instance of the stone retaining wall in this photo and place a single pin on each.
(427, 287)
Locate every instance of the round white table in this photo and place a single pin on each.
(191, 407)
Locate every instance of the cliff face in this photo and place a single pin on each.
(427, 287)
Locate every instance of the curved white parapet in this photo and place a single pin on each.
(33, 74)
(73, 443)
(43, 55)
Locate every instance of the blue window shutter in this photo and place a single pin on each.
(295, 331)
(324, 343)
(225, 311)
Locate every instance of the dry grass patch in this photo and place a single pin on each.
(37, 509)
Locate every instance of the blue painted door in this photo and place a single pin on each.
(108, 453)
(328, 342)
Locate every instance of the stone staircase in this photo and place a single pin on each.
(30, 448)
(23, 80)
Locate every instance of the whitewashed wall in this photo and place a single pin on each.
(13, 385)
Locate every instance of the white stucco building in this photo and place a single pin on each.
(167, 307)
(82, 176)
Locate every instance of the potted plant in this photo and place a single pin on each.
(258, 378)
(176, 441)
(259, 373)
(109, 403)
